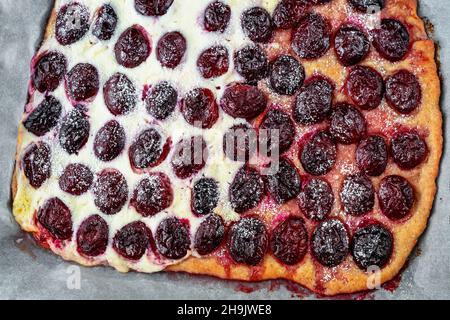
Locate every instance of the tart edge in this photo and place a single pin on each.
(349, 281)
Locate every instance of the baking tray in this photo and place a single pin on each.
(28, 272)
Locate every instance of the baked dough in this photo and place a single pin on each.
(346, 277)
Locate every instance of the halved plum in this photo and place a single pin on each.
(72, 23)
(217, 17)
(152, 7)
(36, 163)
(199, 108)
(171, 49)
(133, 47)
(248, 241)
(74, 131)
(311, 38)
(120, 94)
(152, 195)
(49, 70)
(247, 189)
(110, 191)
(44, 117)
(109, 141)
(257, 24)
(148, 150)
(289, 241)
(82, 82)
(56, 218)
(392, 39)
(318, 155)
(172, 238)
(92, 236)
(105, 22)
(243, 101)
(209, 235)
(189, 157)
(133, 240)
(251, 62)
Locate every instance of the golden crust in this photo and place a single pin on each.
(346, 278)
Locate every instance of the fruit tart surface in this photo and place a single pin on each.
(146, 142)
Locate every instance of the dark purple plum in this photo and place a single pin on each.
(330, 243)
(110, 191)
(48, 71)
(285, 184)
(133, 47)
(277, 124)
(313, 102)
(72, 23)
(213, 62)
(161, 101)
(251, 62)
(56, 218)
(148, 150)
(44, 117)
(217, 17)
(133, 240)
(120, 94)
(257, 24)
(372, 246)
(351, 45)
(204, 196)
(105, 23)
(311, 38)
(36, 163)
(372, 156)
(403, 92)
(109, 141)
(289, 241)
(396, 197)
(243, 101)
(92, 236)
(171, 49)
(391, 40)
(347, 124)
(76, 179)
(286, 75)
(316, 199)
(209, 235)
(288, 13)
(240, 142)
(152, 195)
(189, 157)
(74, 131)
(365, 87)
(152, 7)
(408, 150)
(357, 194)
(82, 82)
(172, 238)
(247, 190)
(248, 241)
(318, 155)
(199, 108)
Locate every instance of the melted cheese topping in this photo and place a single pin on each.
(187, 18)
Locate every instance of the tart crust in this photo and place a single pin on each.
(347, 277)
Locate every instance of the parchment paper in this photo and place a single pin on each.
(28, 272)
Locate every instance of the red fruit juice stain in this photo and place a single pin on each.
(392, 284)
